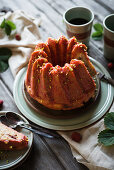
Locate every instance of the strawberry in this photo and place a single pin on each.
(110, 65)
(1, 103)
(18, 37)
(76, 136)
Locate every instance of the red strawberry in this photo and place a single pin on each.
(18, 37)
(76, 136)
(110, 65)
(1, 103)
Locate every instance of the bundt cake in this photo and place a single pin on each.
(59, 74)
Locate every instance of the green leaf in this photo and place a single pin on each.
(2, 24)
(5, 54)
(96, 34)
(109, 120)
(11, 24)
(7, 29)
(8, 25)
(98, 27)
(106, 137)
(97, 38)
(3, 66)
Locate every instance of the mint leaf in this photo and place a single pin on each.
(3, 66)
(96, 34)
(99, 31)
(2, 24)
(97, 38)
(7, 29)
(8, 25)
(106, 137)
(5, 54)
(109, 120)
(98, 27)
(11, 24)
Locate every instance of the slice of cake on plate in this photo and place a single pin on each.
(10, 139)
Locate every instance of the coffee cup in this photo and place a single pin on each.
(78, 22)
(108, 25)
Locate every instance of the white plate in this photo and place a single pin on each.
(83, 118)
(12, 159)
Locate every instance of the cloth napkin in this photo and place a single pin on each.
(88, 152)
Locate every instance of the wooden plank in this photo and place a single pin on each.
(41, 158)
(7, 97)
(94, 6)
(60, 6)
(10, 4)
(8, 79)
(108, 5)
(65, 155)
(52, 15)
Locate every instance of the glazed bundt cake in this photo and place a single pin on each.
(59, 74)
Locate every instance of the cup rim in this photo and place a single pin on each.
(105, 24)
(82, 24)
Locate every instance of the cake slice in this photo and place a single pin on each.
(10, 139)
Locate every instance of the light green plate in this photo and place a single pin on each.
(12, 159)
(85, 117)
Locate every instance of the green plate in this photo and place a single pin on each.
(12, 159)
(83, 117)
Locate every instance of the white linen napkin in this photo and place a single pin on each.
(88, 152)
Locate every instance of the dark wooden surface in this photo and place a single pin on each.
(53, 154)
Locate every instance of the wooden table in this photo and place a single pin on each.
(53, 154)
